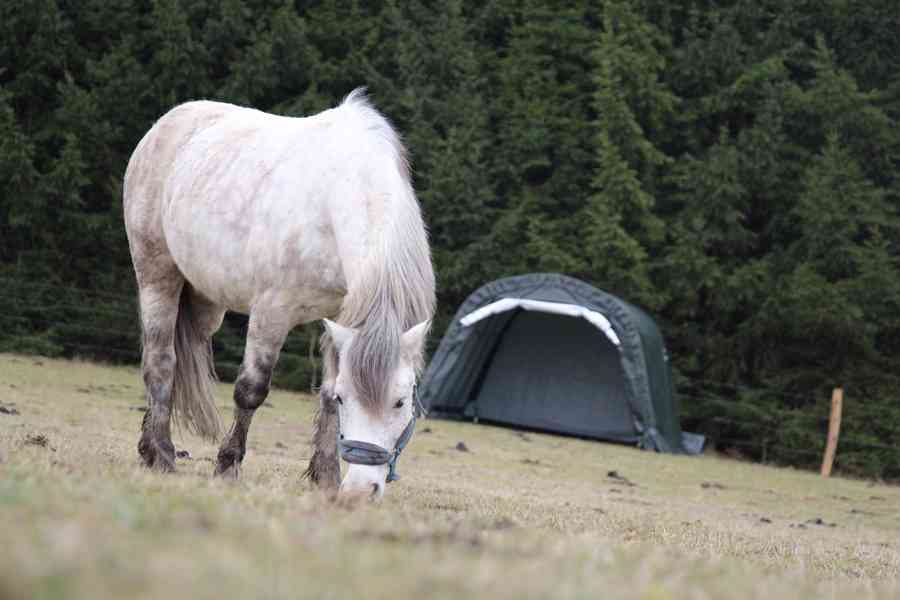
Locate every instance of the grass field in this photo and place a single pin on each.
(515, 516)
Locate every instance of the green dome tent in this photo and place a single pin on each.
(549, 352)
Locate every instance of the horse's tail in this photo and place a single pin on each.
(193, 390)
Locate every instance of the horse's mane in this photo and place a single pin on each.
(394, 290)
(358, 102)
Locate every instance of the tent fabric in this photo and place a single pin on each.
(534, 351)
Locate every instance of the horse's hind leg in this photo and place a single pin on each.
(265, 336)
(159, 297)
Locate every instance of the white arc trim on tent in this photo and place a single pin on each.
(559, 308)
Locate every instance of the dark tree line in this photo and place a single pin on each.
(730, 165)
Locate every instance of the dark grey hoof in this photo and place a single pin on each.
(228, 464)
(232, 472)
(158, 456)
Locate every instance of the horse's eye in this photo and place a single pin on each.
(398, 404)
(338, 398)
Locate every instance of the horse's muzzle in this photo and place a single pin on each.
(364, 453)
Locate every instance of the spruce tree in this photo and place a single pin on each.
(631, 103)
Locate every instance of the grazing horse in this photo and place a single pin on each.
(287, 220)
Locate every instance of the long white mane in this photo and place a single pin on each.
(394, 288)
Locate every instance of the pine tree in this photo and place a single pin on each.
(542, 105)
(630, 103)
(18, 184)
(449, 141)
(178, 61)
(835, 277)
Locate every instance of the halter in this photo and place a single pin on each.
(364, 453)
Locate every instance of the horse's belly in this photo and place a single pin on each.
(219, 272)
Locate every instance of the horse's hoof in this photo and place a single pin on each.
(232, 471)
(163, 466)
(228, 464)
(155, 456)
(158, 462)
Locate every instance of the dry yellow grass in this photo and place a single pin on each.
(518, 516)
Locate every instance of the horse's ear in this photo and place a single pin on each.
(413, 341)
(339, 334)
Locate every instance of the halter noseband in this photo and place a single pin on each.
(364, 453)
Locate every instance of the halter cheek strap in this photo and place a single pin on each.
(401, 444)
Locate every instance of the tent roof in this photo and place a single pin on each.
(559, 308)
(454, 371)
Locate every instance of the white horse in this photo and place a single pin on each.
(288, 220)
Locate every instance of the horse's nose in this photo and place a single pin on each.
(364, 481)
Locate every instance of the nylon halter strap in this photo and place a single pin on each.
(364, 453)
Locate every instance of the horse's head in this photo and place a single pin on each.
(376, 424)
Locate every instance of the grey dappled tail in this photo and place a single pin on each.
(194, 386)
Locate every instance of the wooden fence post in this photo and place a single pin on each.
(834, 430)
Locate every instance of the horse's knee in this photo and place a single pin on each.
(252, 385)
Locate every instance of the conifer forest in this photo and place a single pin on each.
(731, 166)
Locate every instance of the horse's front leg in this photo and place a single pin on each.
(324, 468)
(265, 336)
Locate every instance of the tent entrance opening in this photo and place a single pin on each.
(556, 373)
